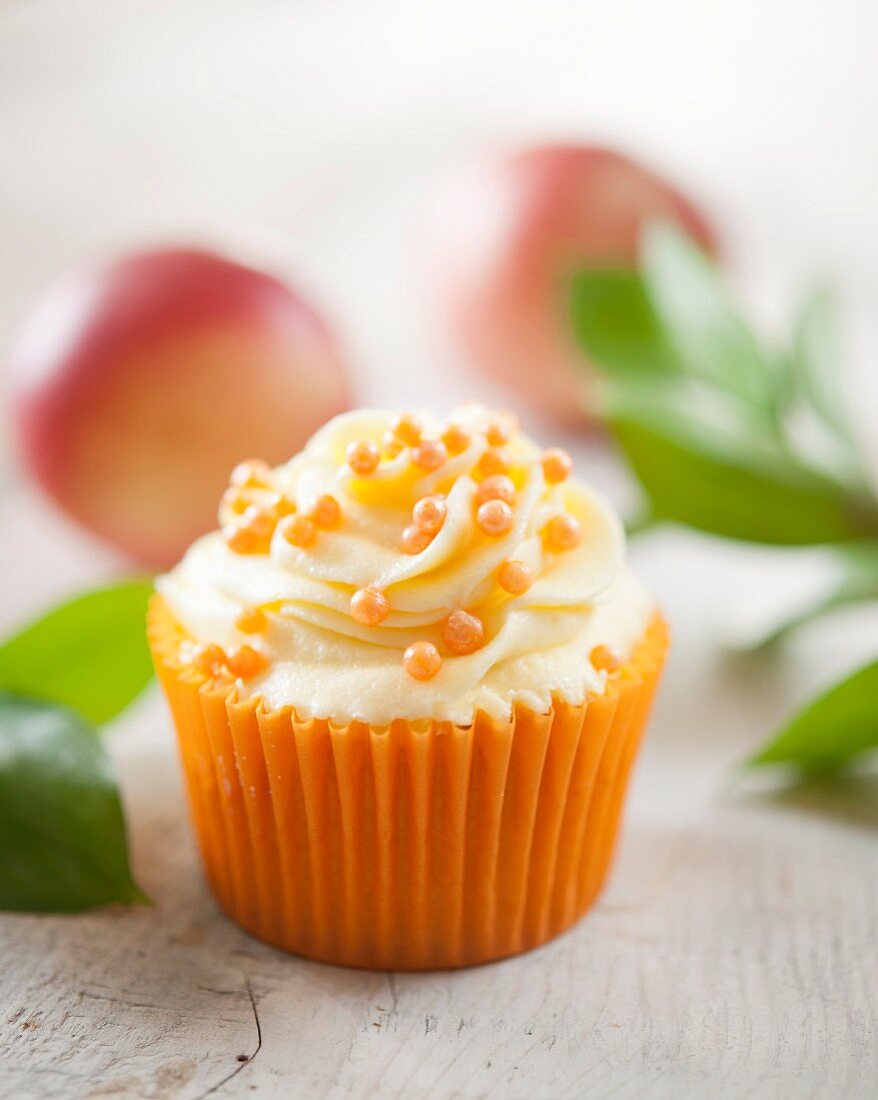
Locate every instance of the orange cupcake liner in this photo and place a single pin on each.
(421, 845)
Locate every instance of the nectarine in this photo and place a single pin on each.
(513, 231)
(138, 385)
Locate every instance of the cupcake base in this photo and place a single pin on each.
(418, 846)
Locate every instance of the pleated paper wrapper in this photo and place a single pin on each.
(419, 845)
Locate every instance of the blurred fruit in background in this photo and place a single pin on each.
(511, 233)
(138, 385)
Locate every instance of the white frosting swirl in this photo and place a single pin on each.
(326, 665)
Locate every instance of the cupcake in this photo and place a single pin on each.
(409, 675)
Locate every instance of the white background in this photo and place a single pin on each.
(330, 122)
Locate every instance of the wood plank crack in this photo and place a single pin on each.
(242, 1065)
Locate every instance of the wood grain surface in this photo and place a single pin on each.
(733, 955)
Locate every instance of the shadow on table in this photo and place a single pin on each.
(731, 704)
(849, 799)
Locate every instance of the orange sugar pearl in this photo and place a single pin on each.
(494, 518)
(496, 487)
(392, 446)
(363, 457)
(260, 522)
(463, 633)
(246, 662)
(429, 513)
(298, 530)
(236, 501)
(208, 659)
(604, 659)
(327, 512)
(490, 464)
(252, 474)
(422, 661)
(242, 540)
(456, 439)
(515, 577)
(279, 505)
(497, 433)
(250, 620)
(429, 454)
(406, 428)
(415, 539)
(562, 532)
(369, 606)
(557, 465)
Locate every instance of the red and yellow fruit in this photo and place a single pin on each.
(511, 235)
(138, 385)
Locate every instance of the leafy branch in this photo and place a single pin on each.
(733, 439)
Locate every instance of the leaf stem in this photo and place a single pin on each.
(642, 522)
(777, 634)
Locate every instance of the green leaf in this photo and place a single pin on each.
(614, 322)
(62, 834)
(816, 360)
(831, 730)
(701, 464)
(710, 339)
(89, 654)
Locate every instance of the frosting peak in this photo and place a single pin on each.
(402, 567)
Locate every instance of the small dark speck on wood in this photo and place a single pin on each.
(242, 1059)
